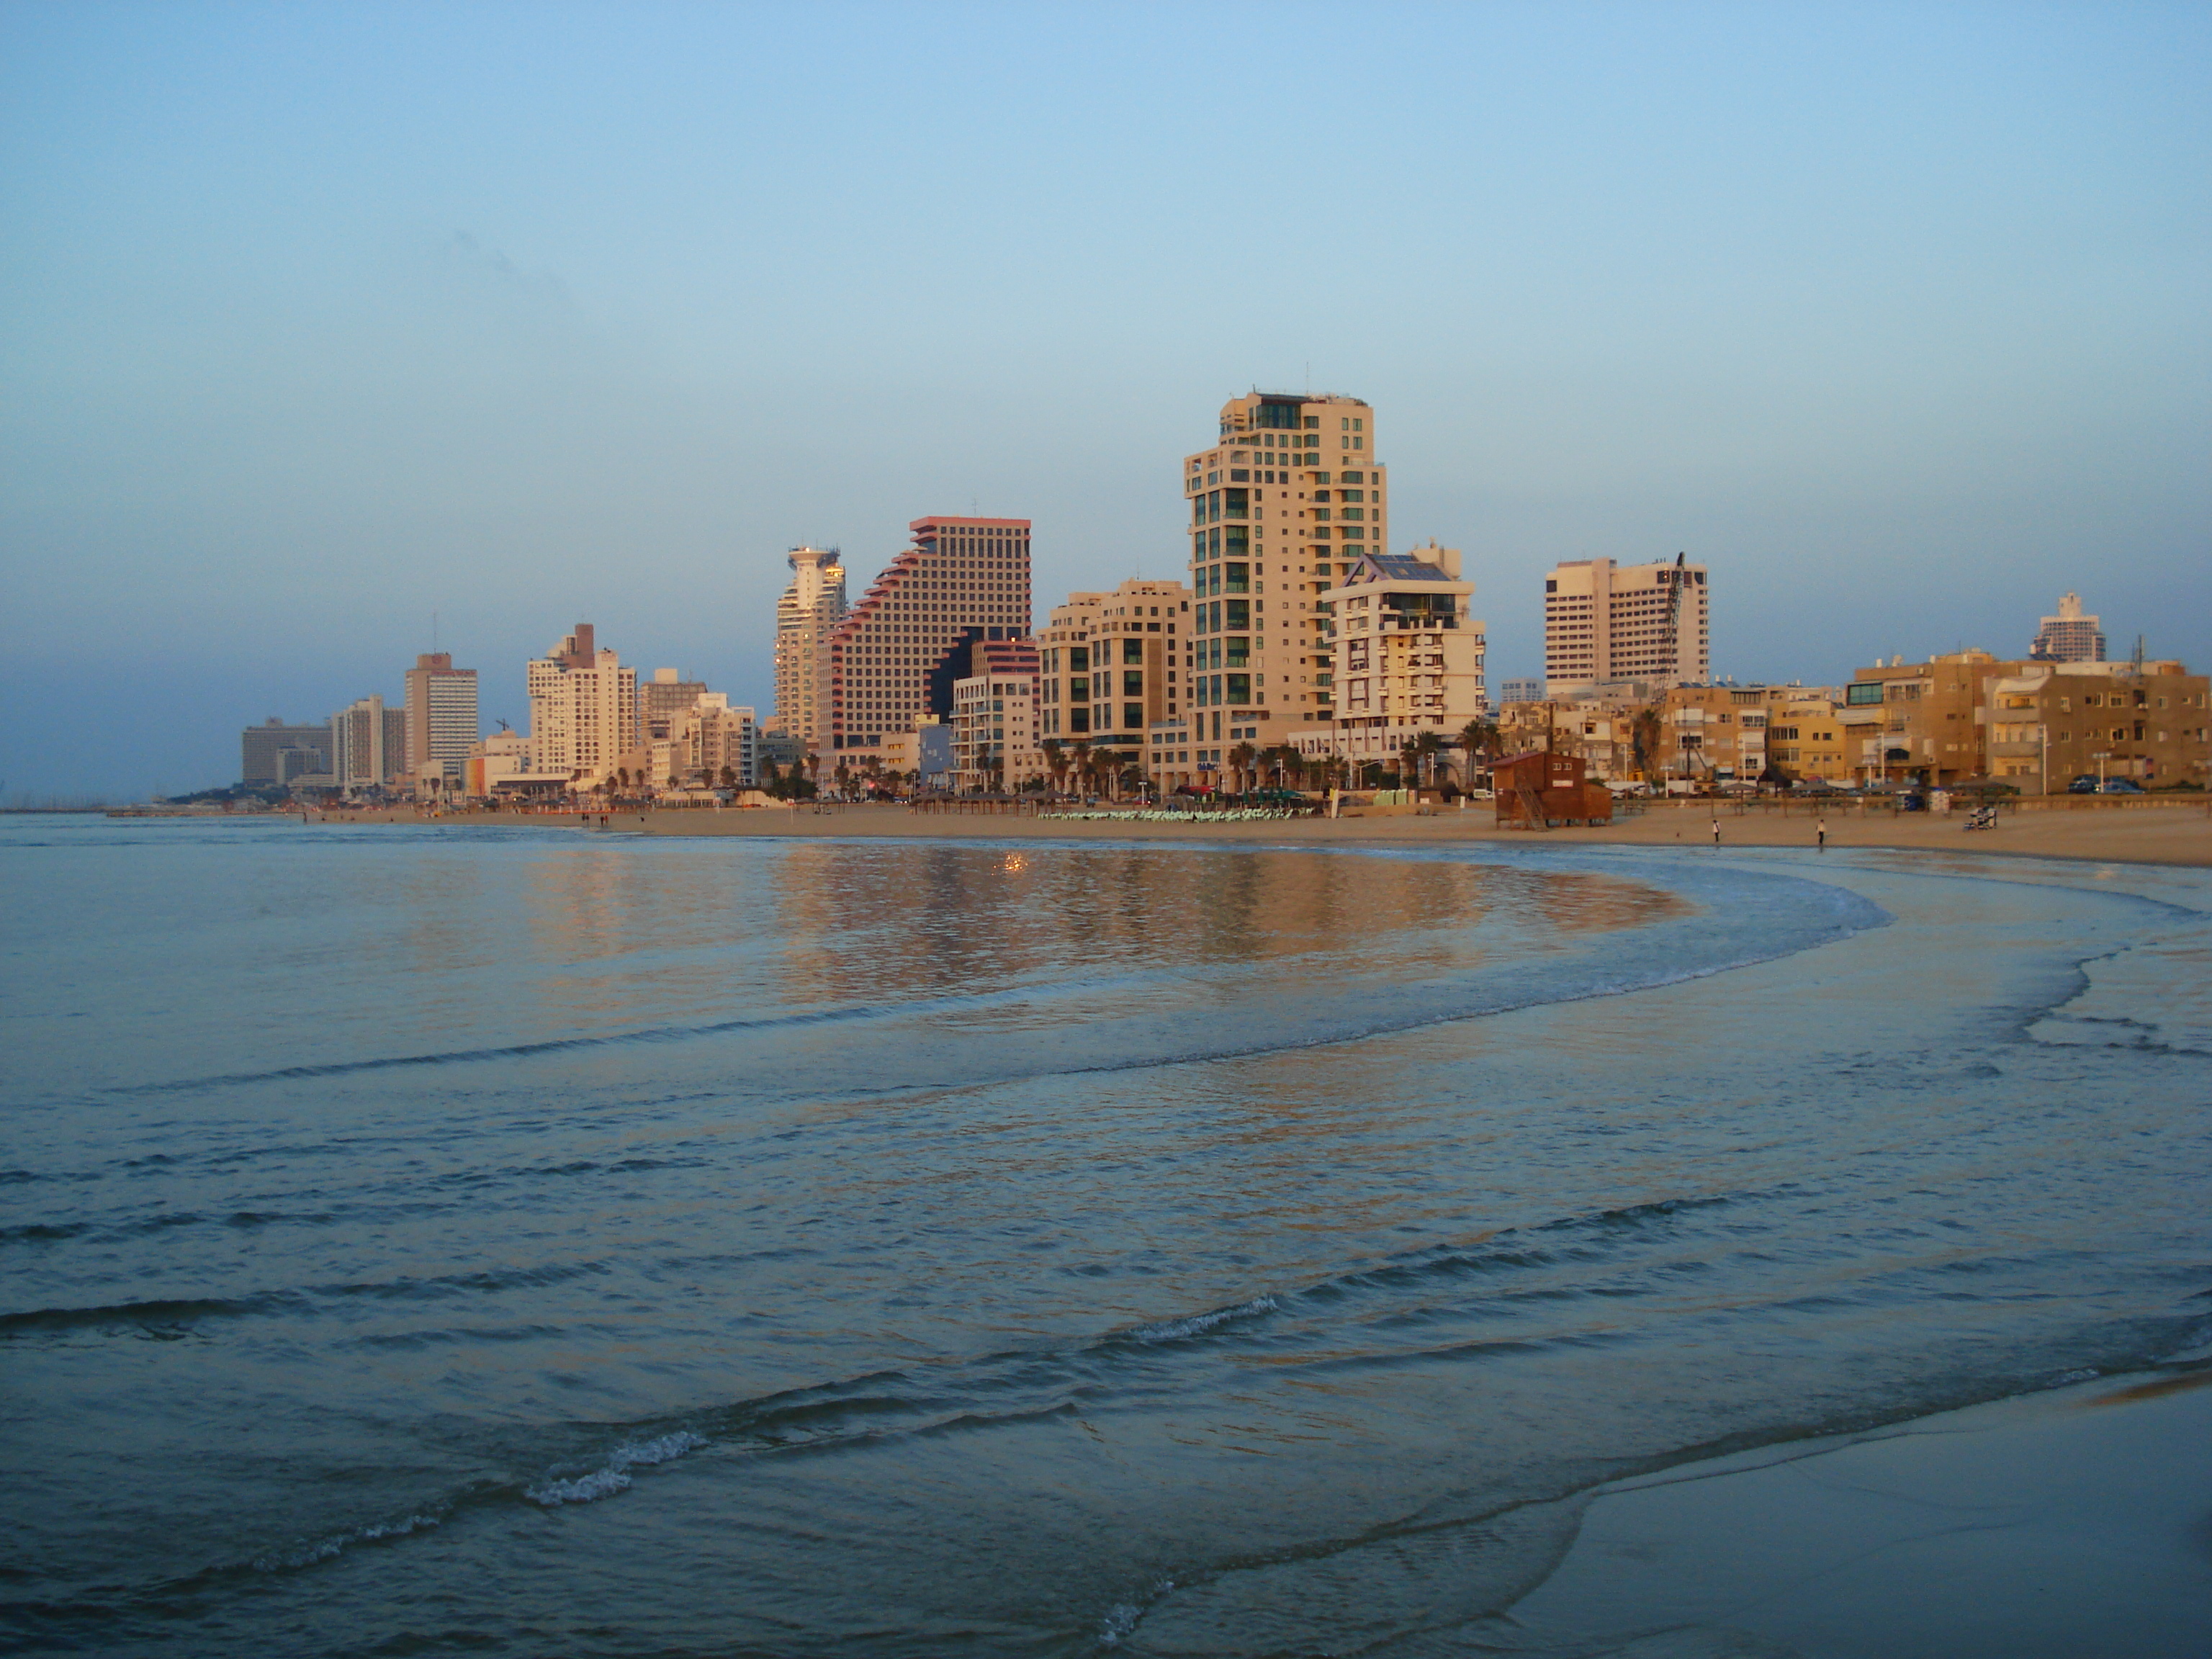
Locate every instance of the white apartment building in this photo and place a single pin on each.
(583, 709)
(1607, 621)
(1408, 653)
(717, 742)
(809, 609)
(994, 719)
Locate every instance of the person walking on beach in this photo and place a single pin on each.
(1716, 830)
(1822, 836)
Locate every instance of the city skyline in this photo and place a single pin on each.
(1906, 311)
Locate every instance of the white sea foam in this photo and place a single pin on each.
(331, 1546)
(613, 1475)
(1175, 1330)
(1121, 1617)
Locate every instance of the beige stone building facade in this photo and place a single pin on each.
(2037, 725)
(2054, 724)
(1291, 490)
(1111, 665)
(893, 658)
(994, 719)
(717, 742)
(1607, 621)
(1409, 653)
(583, 709)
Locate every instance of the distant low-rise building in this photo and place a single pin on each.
(501, 763)
(782, 750)
(261, 750)
(1968, 716)
(2053, 724)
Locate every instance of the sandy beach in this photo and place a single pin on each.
(2126, 833)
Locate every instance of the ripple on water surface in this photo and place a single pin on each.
(706, 1247)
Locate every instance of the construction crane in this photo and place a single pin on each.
(1674, 578)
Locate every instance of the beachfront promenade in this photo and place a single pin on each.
(2135, 832)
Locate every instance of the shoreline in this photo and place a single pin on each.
(2037, 1526)
(2177, 836)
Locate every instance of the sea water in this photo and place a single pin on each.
(417, 1240)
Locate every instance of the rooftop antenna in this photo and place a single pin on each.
(434, 633)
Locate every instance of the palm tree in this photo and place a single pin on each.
(1240, 762)
(1079, 754)
(729, 777)
(1645, 734)
(1055, 761)
(1426, 747)
(1478, 738)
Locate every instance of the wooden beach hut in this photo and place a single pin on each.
(1542, 787)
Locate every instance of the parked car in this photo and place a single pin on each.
(2122, 786)
(2084, 785)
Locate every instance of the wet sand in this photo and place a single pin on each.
(2046, 1527)
(2176, 835)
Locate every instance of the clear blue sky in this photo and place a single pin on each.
(317, 319)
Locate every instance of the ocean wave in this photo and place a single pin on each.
(1177, 1330)
(613, 1475)
(308, 1554)
(179, 1314)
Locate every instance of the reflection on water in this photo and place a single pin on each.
(812, 923)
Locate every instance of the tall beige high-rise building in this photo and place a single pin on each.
(894, 659)
(442, 725)
(583, 708)
(806, 613)
(1291, 490)
(1607, 621)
